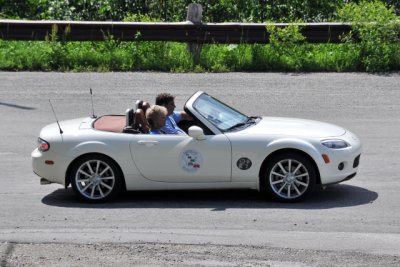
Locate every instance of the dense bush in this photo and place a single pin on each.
(375, 28)
(175, 10)
(378, 30)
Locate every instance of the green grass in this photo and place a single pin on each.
(113, 55)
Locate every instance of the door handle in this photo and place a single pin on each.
(147, 143)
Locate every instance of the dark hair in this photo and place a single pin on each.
(150, 121)
(164, 98)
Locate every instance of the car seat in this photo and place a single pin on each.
(130, 122)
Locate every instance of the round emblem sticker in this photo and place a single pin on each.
(191, 160)
(244, 163)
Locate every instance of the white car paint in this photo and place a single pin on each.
(294, 127)
(157, 162)
(162, 158)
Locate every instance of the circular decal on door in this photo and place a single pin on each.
(191, 160)
(244, 163)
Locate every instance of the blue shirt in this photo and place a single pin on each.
(171, 126)
(155, 132)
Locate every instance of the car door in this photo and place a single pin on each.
(181, 158)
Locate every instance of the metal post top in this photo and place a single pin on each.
(195, 13)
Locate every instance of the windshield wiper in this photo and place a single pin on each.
(249, 121)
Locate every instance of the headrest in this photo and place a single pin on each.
(129, 117)
(139, 104)
(129, 122)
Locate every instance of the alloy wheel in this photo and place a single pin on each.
(289, 179)
(95, 179)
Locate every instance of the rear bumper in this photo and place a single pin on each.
(54, 173)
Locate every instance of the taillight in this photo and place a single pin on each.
(43, 145)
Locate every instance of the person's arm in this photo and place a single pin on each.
(140, 119)
(185, 116)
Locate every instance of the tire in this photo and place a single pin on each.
(96, 178)
(290, 177)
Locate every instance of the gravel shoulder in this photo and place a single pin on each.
(167, 254)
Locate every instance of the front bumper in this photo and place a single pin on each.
(343, 163)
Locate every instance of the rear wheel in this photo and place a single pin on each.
(96, 178)
(290, 177)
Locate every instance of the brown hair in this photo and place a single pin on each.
(164, 98)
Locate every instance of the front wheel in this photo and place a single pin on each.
(96, 178)
(290, 177)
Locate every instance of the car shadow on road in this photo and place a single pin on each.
(218, 200)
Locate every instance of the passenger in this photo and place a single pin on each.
(140, 117)
(168, 101)
(156, 116)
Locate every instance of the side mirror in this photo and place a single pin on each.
(197, 133)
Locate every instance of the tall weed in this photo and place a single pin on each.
(377, 28)
(286, 44)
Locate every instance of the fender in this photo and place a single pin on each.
(91, 147)
(118, 152)
(299, 144)
(259, 148)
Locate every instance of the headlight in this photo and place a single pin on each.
(43, 145)
(335, 144)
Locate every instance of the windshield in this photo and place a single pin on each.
(222, 116)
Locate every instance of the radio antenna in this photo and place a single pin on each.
(91, 97)
(55, 116)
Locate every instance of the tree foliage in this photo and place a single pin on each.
(375, 22)
(378, 30)
(175, 10)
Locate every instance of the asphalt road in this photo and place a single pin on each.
(356, 223)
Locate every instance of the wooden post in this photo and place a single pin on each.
(195, 15)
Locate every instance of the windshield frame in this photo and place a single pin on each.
(235, 117)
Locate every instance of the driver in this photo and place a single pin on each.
(171, 125)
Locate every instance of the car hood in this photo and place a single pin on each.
(294, 127)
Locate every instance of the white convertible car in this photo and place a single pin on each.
(224, 149)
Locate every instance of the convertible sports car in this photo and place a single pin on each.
(224, 149)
